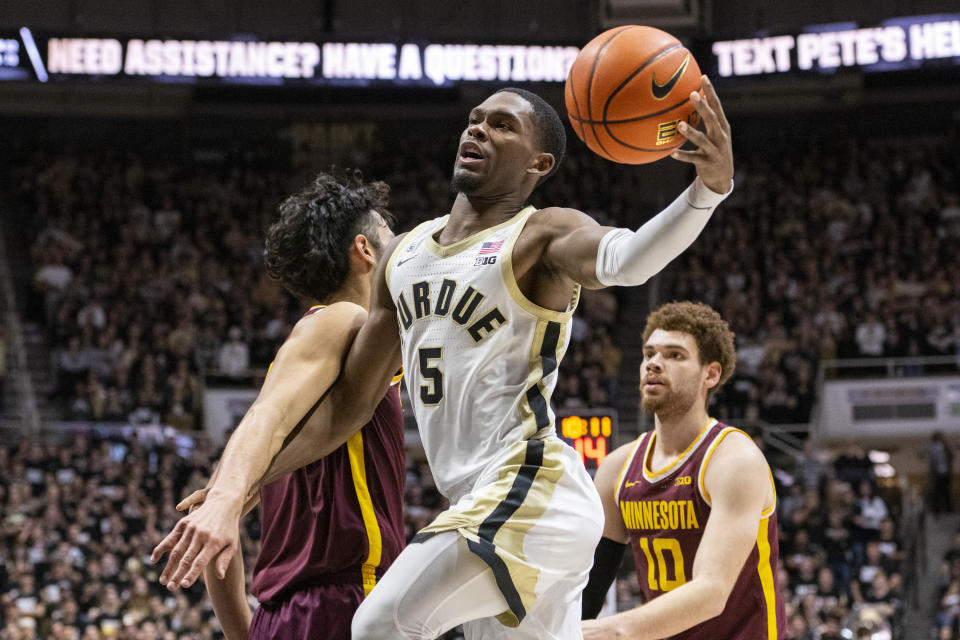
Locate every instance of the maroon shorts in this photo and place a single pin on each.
(316, 612)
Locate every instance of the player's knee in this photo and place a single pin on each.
(375, 619)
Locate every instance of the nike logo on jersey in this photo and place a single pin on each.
(629, 484)
(660, 91)
(400, 262)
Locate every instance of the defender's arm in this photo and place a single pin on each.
(304, 370)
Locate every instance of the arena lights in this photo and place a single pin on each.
(250, 61)
(898, 43)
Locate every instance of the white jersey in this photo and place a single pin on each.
(479, 358)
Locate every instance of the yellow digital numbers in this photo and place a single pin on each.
(590, 435)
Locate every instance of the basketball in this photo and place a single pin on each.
(627, 90)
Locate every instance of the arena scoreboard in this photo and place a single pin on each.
(591, 432)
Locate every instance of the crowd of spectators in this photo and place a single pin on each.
(148, 277)
(842, 249)
(80, 514)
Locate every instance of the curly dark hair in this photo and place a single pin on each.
(306, 249)
(552, 137)
(709, 330)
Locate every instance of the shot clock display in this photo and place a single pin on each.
(591, 432)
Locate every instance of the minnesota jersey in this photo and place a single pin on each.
(480, 358)
(666, 512)
(338, 520)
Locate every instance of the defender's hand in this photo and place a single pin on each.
(209, 533)
(713, 156)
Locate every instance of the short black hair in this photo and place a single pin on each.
(552, 137)
(307, 248)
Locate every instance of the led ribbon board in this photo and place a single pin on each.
(25, 56)
(894, 44)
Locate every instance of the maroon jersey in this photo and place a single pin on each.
(666, 513)
(338, 520)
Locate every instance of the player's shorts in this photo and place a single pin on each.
(323, 611)
(535, 518)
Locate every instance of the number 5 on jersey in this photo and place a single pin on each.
(432, 392)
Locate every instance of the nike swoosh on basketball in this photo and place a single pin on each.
(660, 91)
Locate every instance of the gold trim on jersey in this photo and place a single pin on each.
(765, 571)
(445, 251)
(766, 513)
(407, 240)
(651, 476)
(509, 278)
(358, 469)
(623, 470)
(476, 520)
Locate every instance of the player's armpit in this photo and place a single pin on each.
(572, 241)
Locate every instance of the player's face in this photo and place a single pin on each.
(383, 233)
(497, 146)
(671, 376)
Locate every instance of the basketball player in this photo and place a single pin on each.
(484, 298)
(328, 529)
(694, 498)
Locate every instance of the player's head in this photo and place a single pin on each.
(331, 230)
(514, 140)
(688, 354)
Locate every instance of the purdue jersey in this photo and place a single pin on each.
(666, 512)
(481, 363)
(480, 358)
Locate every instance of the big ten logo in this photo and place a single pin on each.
(9, 53)
(589, 436)
(484, 260)
(318, 145)
(667, 131)
(682, 481)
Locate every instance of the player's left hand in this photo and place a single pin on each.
(713, 156)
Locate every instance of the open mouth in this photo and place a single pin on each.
(470, 153)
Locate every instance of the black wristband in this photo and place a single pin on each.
(606, 562)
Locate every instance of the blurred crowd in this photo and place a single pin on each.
(79, 516)
(148, 279)
(840, 249)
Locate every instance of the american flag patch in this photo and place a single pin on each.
(490, 247)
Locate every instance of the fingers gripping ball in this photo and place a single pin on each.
(628, 89)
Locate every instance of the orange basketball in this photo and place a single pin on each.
(628, 89)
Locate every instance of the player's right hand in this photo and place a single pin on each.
(210, 533)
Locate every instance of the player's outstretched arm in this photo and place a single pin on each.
(304, 369)
(609, 553)
(369, 367)
(598, 256)
(229, 598)
(738, 482)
